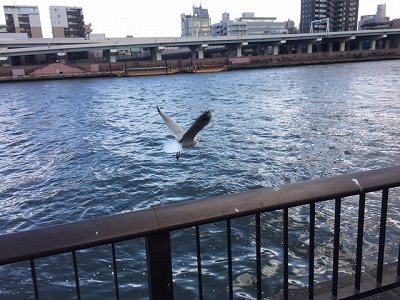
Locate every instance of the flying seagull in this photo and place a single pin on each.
(183, 139)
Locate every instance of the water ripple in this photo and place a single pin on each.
(70, 152)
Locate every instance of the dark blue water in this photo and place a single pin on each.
(76, 149)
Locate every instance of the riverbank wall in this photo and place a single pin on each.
(106, 69)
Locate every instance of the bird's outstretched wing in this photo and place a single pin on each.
(197, 125)
(172, 125)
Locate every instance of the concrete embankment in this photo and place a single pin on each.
(106, 69)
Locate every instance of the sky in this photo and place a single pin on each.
(161, 18)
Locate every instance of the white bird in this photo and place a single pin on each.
(184, 139)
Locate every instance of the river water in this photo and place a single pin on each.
(76, 149)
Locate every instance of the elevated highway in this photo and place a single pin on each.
(266, 44)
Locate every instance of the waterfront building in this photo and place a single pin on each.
(338, 15)
(23, 19)
(67, 22)
(3, 28)
(197, 24)
(377, 21)
(228, 27)
(248, 24)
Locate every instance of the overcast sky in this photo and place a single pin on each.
(161, 18)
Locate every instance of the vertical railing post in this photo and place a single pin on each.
(78, 289)
(336, 243)
(229, 244)
(159, 264)
(199, 272)
(34, 279)
(258, 255)
(360, 241)
(311, 252)
(382, 235)
(286, 253)
(114, 258)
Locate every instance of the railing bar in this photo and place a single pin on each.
(115, 271)
(360, 241)
(199, 272)
(311, 252)
(258, 254)
(335, 276)
(78, 288)
(159, 265)
(382, 235)
(34, 279)
(398, 262)
(229, 244)
(286, 253)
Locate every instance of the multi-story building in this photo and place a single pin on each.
(248, 24)
(340, 15)
(228, 27)
(197, 24)
(378, 21)
(23, 19)
(67, 22)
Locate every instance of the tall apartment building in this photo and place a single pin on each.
(67, 22)
(23, 19)
(342, 15)
(197, 24)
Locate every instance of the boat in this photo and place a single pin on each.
(148, 71)
(208, 69)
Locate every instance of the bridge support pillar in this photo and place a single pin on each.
(309, 48)
(330, 47)
(299, 51)
(113, 55)
(239, 51)
(387, 44)
(360, 45)
(6, 61)
(342, 46)
(62, 57)
(198, 51)
(156, 53)
(373, 45)
(262, 50)
(276, 50)
(398, 43)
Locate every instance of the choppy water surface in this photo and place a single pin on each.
(73, 150)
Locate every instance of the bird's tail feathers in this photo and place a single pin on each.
(172, 146)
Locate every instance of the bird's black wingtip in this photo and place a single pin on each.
(205, 117)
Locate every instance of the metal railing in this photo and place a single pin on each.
(156, 224)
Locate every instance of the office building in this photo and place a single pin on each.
(248, 24)
(197, 24)
(23, 19)
(67, 22)
(339, 15)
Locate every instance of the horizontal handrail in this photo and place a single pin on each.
(59, 239)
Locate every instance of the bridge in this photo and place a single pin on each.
(235, 46)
